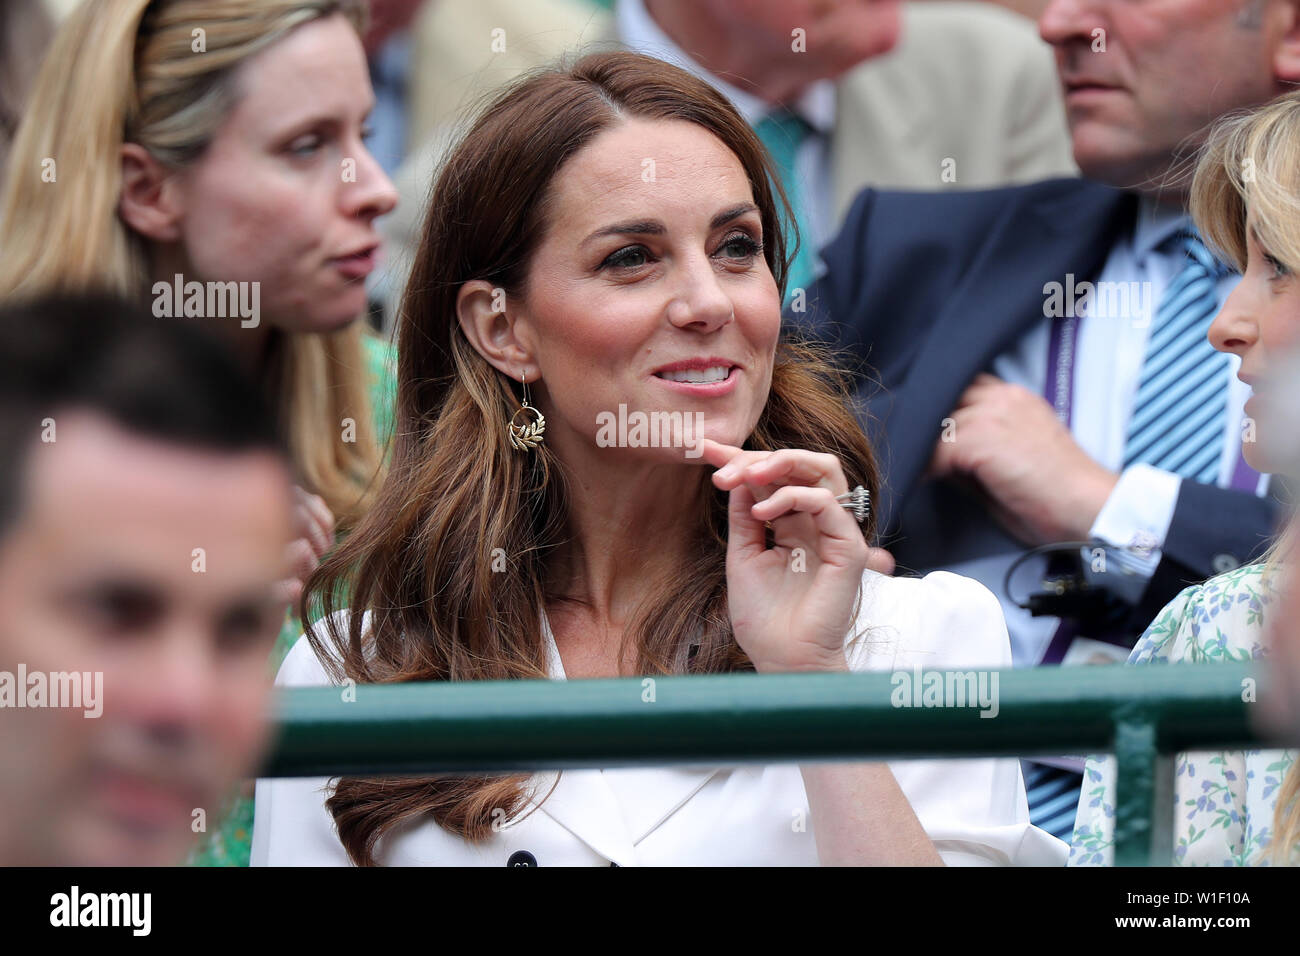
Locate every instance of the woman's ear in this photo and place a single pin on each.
(149, 203)
(494, 328)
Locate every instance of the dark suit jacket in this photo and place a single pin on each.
(926, 289)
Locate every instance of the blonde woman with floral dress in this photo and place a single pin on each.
(1232, 808)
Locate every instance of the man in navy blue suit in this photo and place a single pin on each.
(1035, 366)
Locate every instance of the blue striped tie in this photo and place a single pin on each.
(1177, 425)
(1182, 397)
(1053, 795)
(783, 132)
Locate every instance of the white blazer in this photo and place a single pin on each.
(974, 809)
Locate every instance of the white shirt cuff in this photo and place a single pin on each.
(1137, 515)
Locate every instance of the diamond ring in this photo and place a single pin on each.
(858, 501)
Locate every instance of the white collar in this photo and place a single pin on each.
(554, 666)
(1156, 222)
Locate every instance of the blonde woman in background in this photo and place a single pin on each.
(1232, 808)
(222, 141)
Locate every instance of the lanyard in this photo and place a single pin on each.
(1059, 390)
(1062, 347)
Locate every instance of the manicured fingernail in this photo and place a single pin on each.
(726, 471)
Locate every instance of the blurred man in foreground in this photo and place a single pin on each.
(144, 513)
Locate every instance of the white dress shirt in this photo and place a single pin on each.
(974, 810)
(1108, 365)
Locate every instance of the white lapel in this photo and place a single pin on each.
(648, 796)
(584, 805)
(613, 811)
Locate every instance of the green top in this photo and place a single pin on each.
(229, 843)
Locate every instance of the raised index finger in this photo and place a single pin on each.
(795, 466)
(716, 453)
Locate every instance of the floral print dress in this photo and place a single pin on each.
(1224, 800)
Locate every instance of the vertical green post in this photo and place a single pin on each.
(1144, 780)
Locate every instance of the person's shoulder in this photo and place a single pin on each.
(939, 589)
(1219, 619)
(956, 215)
(381, 354)
(381, 369)
(301, 666)
(940, 619)
(1062, 188)
(1235, 584)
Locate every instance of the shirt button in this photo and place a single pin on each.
(1224, 562)
(521, 858)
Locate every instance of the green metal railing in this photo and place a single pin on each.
(1141, 714)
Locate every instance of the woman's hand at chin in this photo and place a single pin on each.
(791, 605)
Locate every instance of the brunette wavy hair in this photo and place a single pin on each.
(419, 567)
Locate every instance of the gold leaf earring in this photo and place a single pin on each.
(529, 436)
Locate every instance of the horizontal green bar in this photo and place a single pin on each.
(745, 718)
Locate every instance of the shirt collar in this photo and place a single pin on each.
(1156, 223)
(638, 30)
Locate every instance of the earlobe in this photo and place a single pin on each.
(492, 327)
(148, 202)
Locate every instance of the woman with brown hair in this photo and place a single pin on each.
(603, 250)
